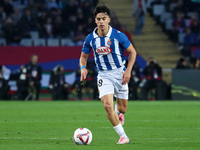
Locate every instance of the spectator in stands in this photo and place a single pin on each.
(8, 8)
(4, 87)
(29, 20)
(150, 4)
(49, 28)
(72, 25)
(190, 39)
(25, 29)
(2, 15)
(80, 17)
(7, 29)
(54, 13)
(29, 81)
(69, 10)
(16, 36)
(139, 11)
(95, 2)
(153, 80)
(86, 7)
(57, 85)
(195, 26)
(17, 15)
(197, 63)
(62, 3)
(179, 8)
(178, 27)
(41, 6)
(38, 2)
(182, 64)
(14, 32)
(60, 28)
(42, 19)
(199, 38)
(79, 36)
(32, 8)
(51, 4)
(1, 3)
(115, 23)
(179, 22)
(89, 25)
(41, 30)
(90, 80)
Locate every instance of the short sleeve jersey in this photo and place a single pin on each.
(108, 50)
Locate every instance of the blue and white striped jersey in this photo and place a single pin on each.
(108, 50)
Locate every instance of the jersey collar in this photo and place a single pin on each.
(108, 34)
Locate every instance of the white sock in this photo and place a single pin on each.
(120, 130)
(116, 110)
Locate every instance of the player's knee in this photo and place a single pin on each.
(108, 107)
(122, 109)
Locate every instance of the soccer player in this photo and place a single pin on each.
(108, 45)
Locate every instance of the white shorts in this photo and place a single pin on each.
(110, 82)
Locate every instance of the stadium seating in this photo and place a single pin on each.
(34, 34)
(26, 42)
(158, 9)
(168, 24)
(165, 16)
(39, 42)
(2, 42)
(53, 42)
(171, 21)
(67, 42)
(187, 22)
(181, 37)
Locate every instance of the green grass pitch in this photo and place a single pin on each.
(50, 125)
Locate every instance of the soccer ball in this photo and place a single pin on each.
(82, 136)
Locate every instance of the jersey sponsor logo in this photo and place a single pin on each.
(104, 50)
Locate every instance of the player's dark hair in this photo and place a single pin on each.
(101, 9)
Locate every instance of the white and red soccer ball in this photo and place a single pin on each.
(82, 136)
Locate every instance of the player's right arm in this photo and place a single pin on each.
(83, 62)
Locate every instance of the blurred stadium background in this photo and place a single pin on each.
(55, 31)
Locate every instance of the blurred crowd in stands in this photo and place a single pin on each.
(180, 20)
(50, 19)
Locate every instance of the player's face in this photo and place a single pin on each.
(102, 20)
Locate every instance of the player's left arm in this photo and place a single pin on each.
(132, 56)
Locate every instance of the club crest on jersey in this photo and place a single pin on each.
(109, 42)
(104, 50)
